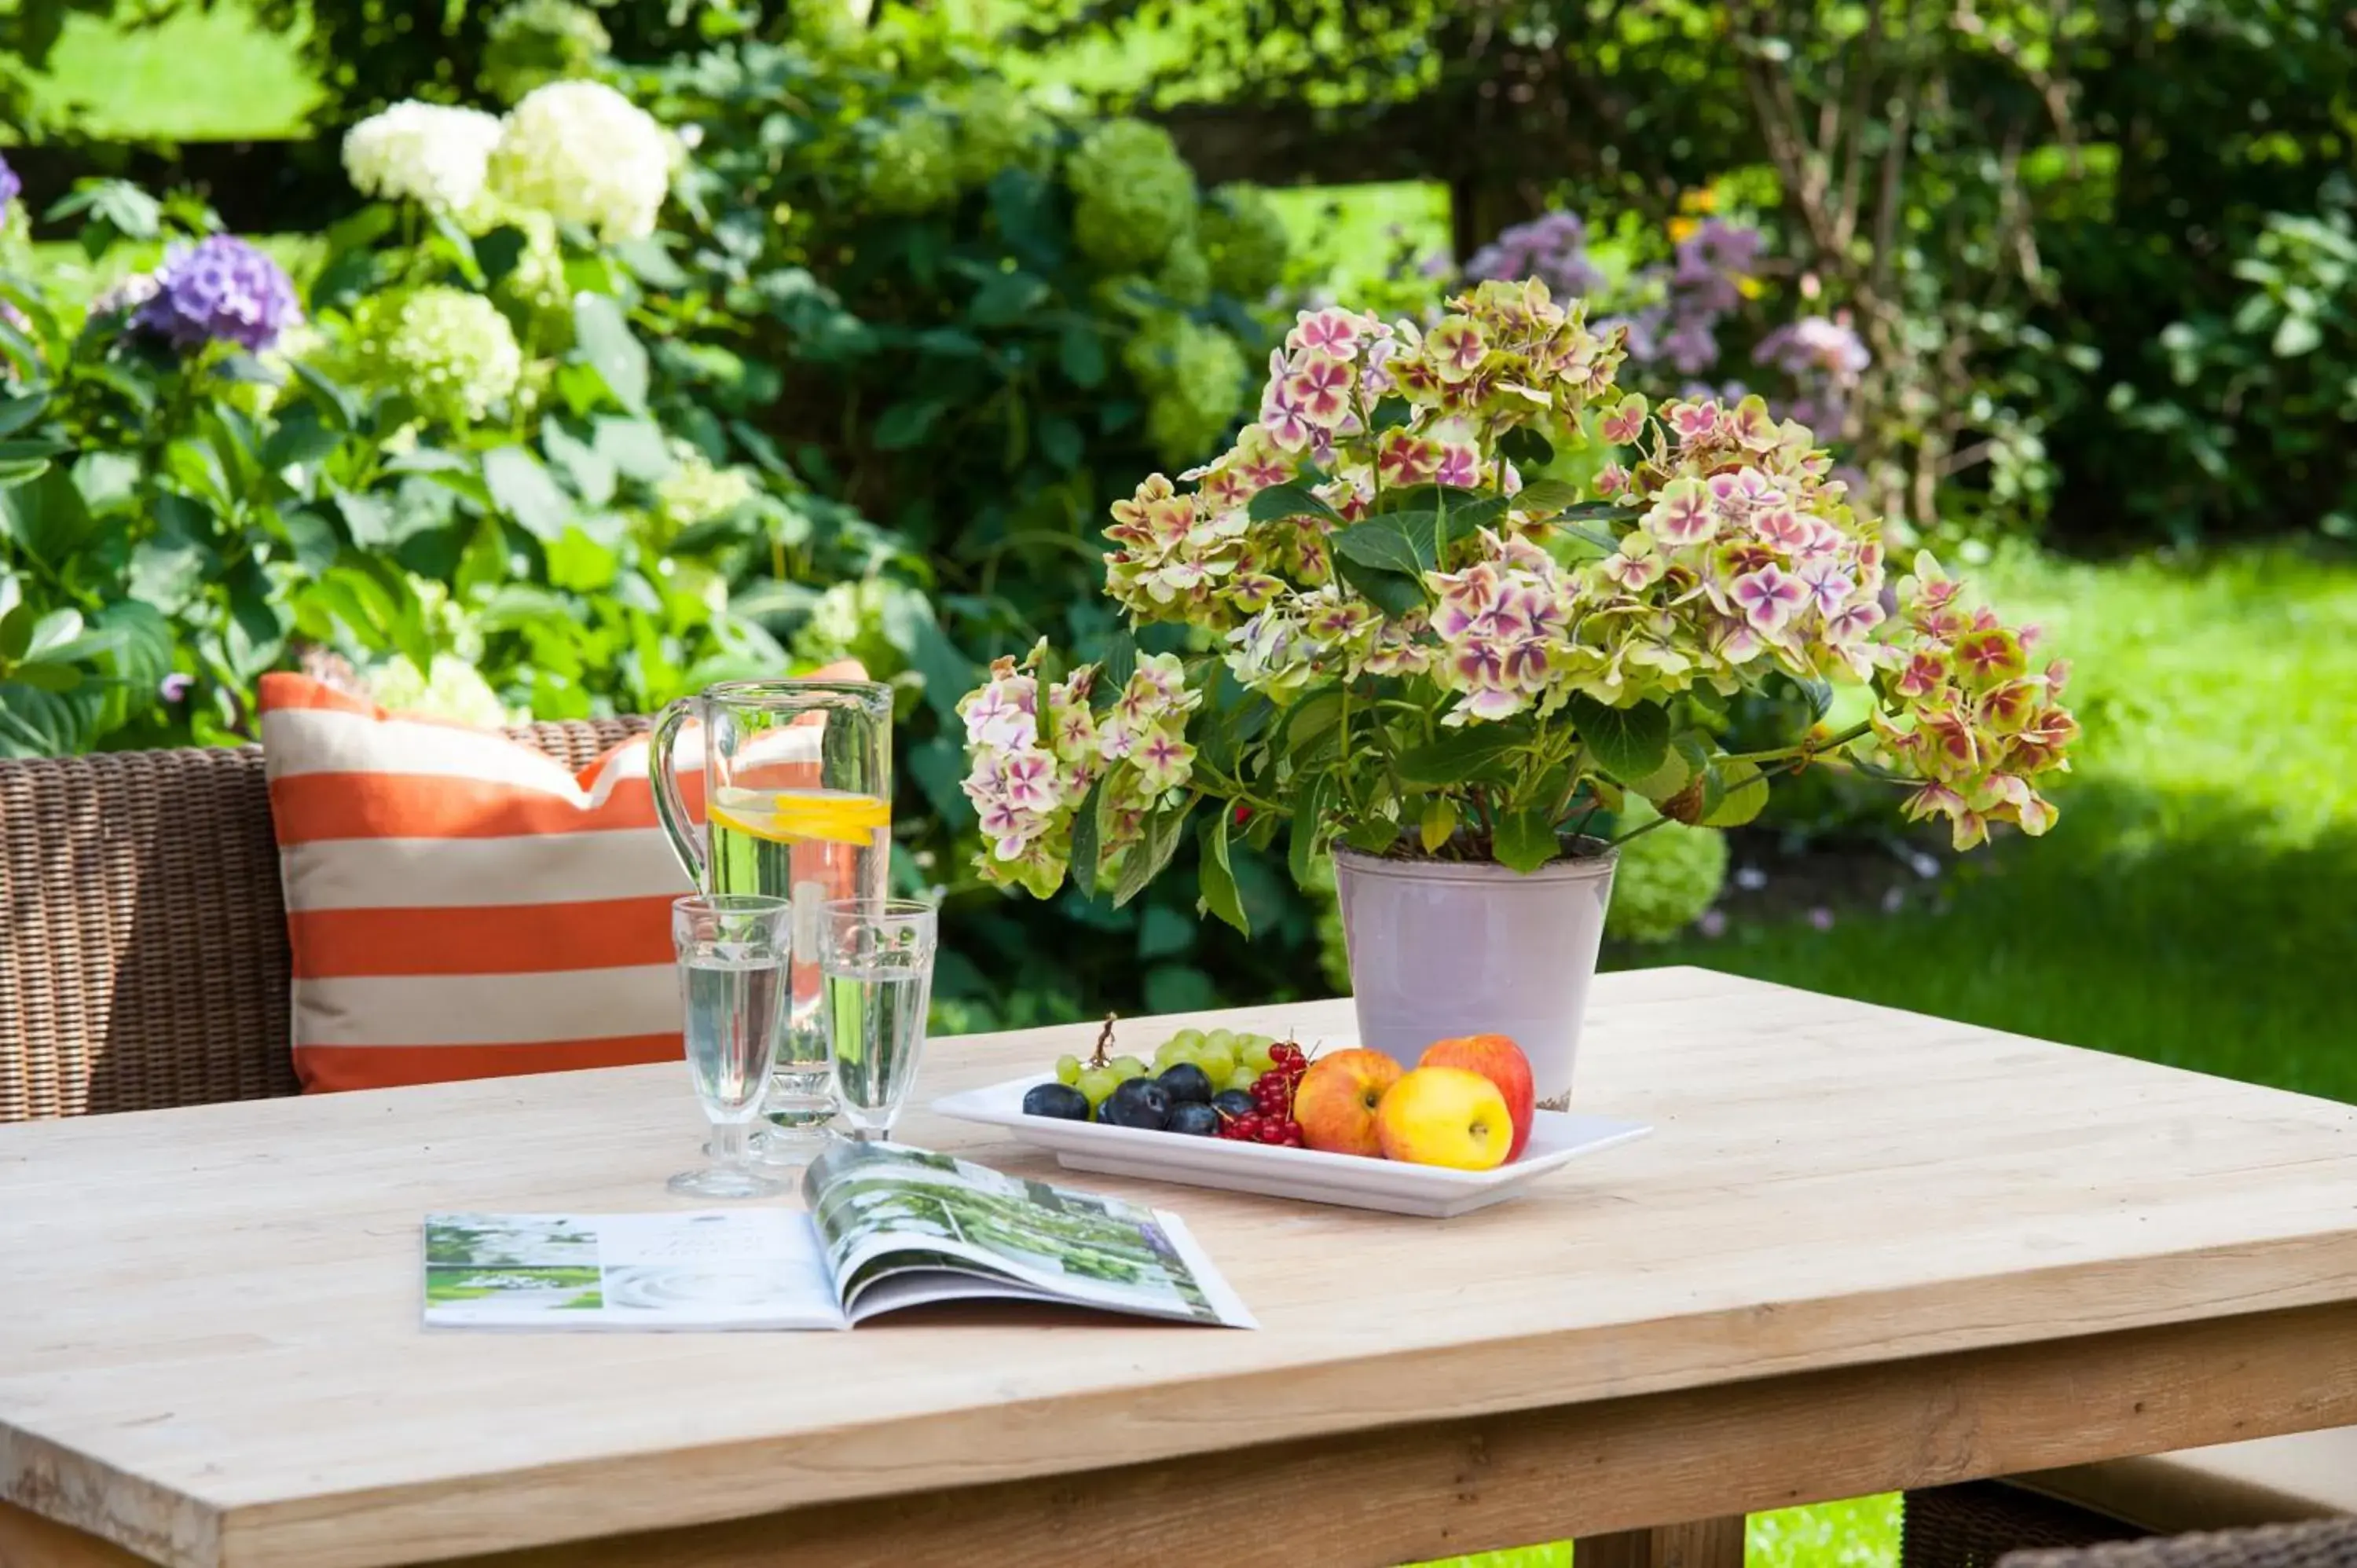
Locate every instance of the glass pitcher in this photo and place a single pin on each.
(797, 790)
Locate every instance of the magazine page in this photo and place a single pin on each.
(883, 1208)
(736, 1268)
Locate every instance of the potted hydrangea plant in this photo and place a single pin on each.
(1379, 629)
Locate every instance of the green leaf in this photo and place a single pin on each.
(1549, 496)
(1524, 841)
(1372, 835)
(1460, 755)
(592, 473)
(47, 517)
(1087, 835)
(1627, 742)
(1688, 754)
(44, 676)
(1119, 661)
(1006, 298)
(311, 537)
(2295, 335)
(522, 488)
(1439, 824)
(17, 412)
(604, 337)
(33, 447)
(1308, 722)
(906, 423)
(1082, 354)
(1526, 448)
(1393, 593)
(301, 439)
(257, 623)
(1146, 858)
(635, 447)
(1742, 793)
(498, 252)
(1401, 542)
(1309, 812)
(1061, 442)
(16, 631)
(1215, 878)
(949, 674)
(1292, 498)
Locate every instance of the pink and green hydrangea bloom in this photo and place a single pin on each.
(1724, 551)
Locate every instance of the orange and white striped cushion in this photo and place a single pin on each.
(459, 905)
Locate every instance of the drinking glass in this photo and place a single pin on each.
(877, 960)
(733, 962)
(798, 788)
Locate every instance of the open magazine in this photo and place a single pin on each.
(888, 1227)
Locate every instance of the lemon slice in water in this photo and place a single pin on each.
(800, 816)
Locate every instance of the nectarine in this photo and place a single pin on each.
(1335, 1102)
(1499, 1060)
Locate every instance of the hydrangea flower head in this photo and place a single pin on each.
(581, 152)
(449, 351)
(1134, 195)
(220, 290)
(426, 152)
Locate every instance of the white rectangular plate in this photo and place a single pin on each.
(1557, 1139)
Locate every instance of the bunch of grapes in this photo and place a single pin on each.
(1227, 1059)
(1271, 1119)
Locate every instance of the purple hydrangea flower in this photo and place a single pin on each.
(10, 186)
(220, 290)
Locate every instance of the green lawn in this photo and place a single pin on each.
(208, 74)
(2192, 906)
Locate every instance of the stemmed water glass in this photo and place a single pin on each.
(735, 953)
(877, 960)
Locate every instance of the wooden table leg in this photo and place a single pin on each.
(1703, 1543)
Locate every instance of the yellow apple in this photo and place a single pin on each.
(1499, 1060)
(1335, 1101)
(1445, 1116)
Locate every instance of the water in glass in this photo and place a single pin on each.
(732, 978)
(734, 1009)
(878, 963)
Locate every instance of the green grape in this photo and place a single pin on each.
(1096, 1083)
(1243, 1078)
(1068, 1069)
(1221, 1038)
(1256, 1055)
(1192, 1038)
(1128, 1067)
(1217, 1062)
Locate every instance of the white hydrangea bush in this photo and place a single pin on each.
(581, 152)
(426, 152)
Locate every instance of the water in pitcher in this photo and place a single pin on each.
(807, 845)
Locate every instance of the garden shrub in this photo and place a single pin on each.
(990, 316)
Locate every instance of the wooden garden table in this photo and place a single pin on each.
(1865, 1251)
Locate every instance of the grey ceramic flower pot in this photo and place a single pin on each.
(1445, 948)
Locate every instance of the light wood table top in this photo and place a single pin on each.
(1851, 1222)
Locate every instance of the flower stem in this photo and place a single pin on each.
(1804, 748)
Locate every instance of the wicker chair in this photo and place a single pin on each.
(2332, 1544)
(143, 963)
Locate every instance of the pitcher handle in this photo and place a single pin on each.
(669, 809)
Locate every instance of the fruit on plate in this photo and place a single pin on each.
(1194, 1119)
(1234, 1102)
(1499, 1060)
(1138, 1103)
(1445, 1116)
(1186, 1081)
(1060, 1101)
(1335, 1102)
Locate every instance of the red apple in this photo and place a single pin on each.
(1335, 1101)
(1499, 1061)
